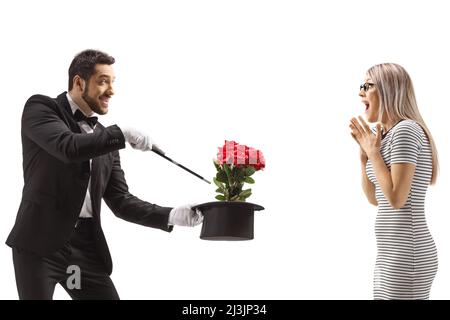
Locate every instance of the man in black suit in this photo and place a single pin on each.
(71, 162)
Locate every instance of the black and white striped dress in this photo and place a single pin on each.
(407, 258)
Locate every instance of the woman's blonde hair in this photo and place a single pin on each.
(398, 101)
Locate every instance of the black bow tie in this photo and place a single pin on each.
(91, 121)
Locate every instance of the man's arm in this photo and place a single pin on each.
(42, 124)
(130, 208)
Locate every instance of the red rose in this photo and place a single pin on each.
(235, 164)
(240, 155)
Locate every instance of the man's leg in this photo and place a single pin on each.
(93, 286)
(94, 282)
(36, 277)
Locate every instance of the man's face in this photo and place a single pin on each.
(99, 88)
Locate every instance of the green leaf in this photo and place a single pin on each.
(243, 198)
(227, 170)
(222, 176)
(249, 170)
(220, 198)
(240, 175)
(245, 193)
(219, 184)
(249, 180)
(217, 165)
(219, 190)
(235, 171)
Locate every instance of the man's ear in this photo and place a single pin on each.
(79, 82)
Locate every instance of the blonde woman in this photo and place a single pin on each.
(398, 162)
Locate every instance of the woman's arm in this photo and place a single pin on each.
(367, 185)
(395, 184)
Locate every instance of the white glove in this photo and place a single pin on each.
(139, 140)
(185, 216)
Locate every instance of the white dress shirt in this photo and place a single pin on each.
(86, 210)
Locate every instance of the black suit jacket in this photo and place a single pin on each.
(56, 171)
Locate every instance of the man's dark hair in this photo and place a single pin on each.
(84, 64)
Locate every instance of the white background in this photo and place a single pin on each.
(280, 76)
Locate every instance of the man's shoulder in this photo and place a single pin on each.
(40, 98)
(43, 100)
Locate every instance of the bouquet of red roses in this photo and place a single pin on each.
(235, 165)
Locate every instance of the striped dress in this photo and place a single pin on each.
(407, 258)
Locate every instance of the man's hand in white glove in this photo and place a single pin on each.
(185, 216)
(139, 140)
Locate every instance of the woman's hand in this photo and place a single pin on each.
(362, 153)
(369, 143)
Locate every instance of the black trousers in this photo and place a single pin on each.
(75, 266)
